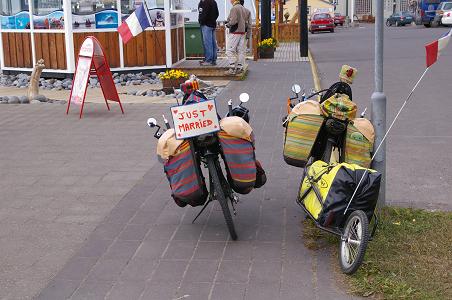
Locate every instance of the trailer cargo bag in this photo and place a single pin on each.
(359, 142)
(335, 184)
(184, 174)
(302, 128)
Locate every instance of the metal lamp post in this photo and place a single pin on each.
(378, 101)
(303, 12)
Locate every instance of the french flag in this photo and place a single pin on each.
(135, 24)
(434, 49)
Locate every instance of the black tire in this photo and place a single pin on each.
(388, 23)
(218, 190)
(350, 264)
(332, 30)
(397, 23)
(428, 25)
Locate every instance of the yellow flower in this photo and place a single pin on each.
(173, 74)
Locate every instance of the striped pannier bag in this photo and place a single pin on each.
(185, 177)
(302, 128)
(238, 154)
(359, 142)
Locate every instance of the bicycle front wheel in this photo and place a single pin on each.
(220, 196)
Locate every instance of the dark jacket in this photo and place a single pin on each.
(208, 13)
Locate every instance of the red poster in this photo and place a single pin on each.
(92, 61)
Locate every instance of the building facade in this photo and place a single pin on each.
(367, 7)
(54, 30)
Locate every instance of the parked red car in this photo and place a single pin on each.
(321, 22)
(339, 19)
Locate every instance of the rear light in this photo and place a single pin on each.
(448, 14)
(401, 18)
(422, 13)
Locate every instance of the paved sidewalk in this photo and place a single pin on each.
(87, 212)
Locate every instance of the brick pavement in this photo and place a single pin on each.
(146, 247)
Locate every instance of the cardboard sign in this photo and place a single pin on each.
(92, 61)
(195, 119)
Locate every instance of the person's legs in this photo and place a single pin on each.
(203, 44)
(241, 52)
(231, 51)
(207, 41)
(214, 46)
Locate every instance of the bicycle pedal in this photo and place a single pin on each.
(235, 199)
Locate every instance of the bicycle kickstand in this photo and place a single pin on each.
(203, 208)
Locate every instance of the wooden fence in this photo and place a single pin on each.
(286, 32)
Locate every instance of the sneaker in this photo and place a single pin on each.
(214, 63)
(229, 72)
(206, 63)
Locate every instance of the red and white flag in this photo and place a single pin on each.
(135, 24)
(434, 49)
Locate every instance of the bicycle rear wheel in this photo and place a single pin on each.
(220, 195)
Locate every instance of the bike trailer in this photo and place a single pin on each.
(327, 189)
(244, 172)
(302, 128)
(184, 174)
(359, 142)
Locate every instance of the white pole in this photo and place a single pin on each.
(121, 44)
(169, 60)
(353, 10)
(68, 36)
(32, 36)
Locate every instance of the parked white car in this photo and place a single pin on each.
(447, 18)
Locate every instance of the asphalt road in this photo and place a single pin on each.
(419, 146)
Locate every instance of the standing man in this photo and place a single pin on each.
(207, 18)
(236, 23)
(248, 28)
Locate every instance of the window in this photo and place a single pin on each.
(91, 6)
(321, 16)
(48, 14)
(15, 14)
(12, 7)
(45, 7)
(128, 6)
(92, 14)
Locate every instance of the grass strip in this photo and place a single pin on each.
(410, 256)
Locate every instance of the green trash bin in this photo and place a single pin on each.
(193, 40)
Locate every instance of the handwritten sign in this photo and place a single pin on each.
(195, 119)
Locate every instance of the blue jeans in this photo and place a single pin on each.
(209, 42)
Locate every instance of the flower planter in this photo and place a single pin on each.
(170, 84)
(266, 52)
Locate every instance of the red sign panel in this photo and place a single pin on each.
(92, 61)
